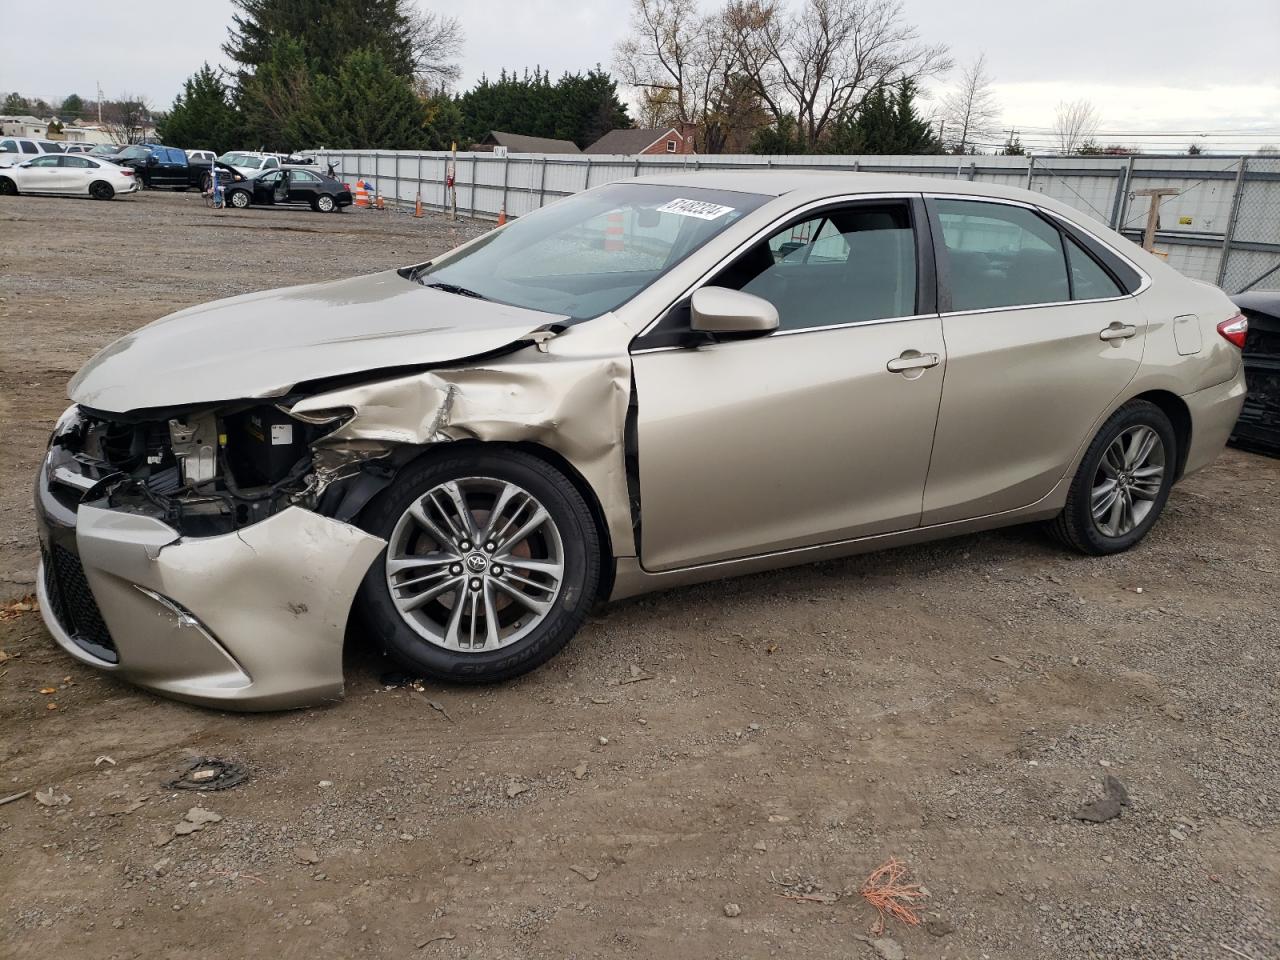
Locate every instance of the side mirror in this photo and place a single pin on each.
(721, 310)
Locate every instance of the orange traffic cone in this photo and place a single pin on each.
(378, 202)
(362, 194)
(417, 205)
(502, 215)
(613, 231)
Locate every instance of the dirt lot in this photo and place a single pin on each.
(754, 742)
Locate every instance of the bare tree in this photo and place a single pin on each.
(675, 57)
(970, 111)
(820, 62)
(128, 119)
(1075, 125)
(437, 44)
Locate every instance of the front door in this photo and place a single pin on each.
(1040, 341)
(44, 175)
(818, 432)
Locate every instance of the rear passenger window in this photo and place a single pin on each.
(1001, 256)
(1088, 280)
(846, 265)
(72, 161)
(28, 147)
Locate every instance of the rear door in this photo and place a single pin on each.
(1041, 338)
(78, 172)
(303, 186)
(816, 433)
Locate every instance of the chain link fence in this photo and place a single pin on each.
(1222, 225)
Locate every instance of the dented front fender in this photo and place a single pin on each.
(569, 395)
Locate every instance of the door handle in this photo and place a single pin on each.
(905, 363)
(1118, 331)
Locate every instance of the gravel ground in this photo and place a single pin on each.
(694, 764)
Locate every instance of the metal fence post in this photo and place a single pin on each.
(1229, 231)
(506, 170)
(475, 175)
(542, 183)
(1031, 170)
(1122, 190)
(1124, 200)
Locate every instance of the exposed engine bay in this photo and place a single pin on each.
(203, 472)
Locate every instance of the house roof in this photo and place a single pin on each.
(519, 143)
(630, 141)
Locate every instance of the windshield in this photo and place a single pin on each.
(589, 253)
(240, 160)
(105, 150)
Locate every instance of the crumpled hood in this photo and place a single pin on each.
(262, 344)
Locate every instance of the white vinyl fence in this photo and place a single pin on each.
(1223, 226)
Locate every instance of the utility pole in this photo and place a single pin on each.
(1153, 213)
(99, 104)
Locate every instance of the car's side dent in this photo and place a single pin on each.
(569, 394)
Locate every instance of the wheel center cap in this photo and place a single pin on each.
(476, 563)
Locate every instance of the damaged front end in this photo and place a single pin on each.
(182, 550)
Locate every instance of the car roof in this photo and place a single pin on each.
(803, 186)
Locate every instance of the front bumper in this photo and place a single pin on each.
(251, 620)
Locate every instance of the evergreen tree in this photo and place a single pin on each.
(886, 123)
(367, 105)
(1013, 146)
(328, 30)
(202, 115)
(71, 108)
(587, 107)
(15, 105)
(277, 100)
(782, 137)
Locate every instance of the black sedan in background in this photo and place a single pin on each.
(1259, 425)
(290, 185)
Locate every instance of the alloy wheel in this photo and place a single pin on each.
(1128, 481)
(325, 203)
(475, 564)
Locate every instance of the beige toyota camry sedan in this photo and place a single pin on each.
(652, 383)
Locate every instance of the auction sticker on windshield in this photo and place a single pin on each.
(695, 208)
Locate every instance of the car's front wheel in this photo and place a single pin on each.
(238, 199)
(8, 188)
(1123, 482)
(492, 562)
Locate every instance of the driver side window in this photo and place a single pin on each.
(844, 265)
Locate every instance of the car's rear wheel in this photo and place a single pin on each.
(239, 199)
(101, 190)
(492, 563)
(8, 188)
(324, 203)
(1123, 482)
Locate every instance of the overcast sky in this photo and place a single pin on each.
(1198, 67)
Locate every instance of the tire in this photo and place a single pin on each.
(101, 190)
(568, 538)
(239, 199)
(324, 203)
(206, 183)
(8, 188)
(1124, 432)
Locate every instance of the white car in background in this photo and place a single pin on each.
(248, 163)
(208, 156)
(75, 175)
(14, 150)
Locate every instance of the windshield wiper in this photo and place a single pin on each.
(454, 288)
